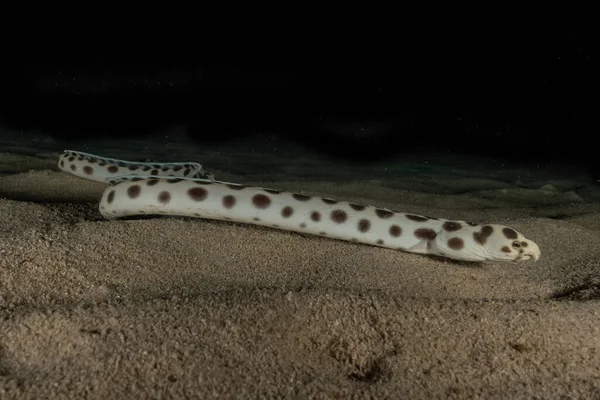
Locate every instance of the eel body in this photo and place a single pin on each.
(185, 189)
(202, 198)
(101, 169)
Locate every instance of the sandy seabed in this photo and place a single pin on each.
(188, 308)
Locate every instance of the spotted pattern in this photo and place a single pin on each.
(339, 216)
(509, 233)
(451, 226)
(235, 187)
(383, 213)
(456, 243)
(356, 207)
(301, 197)
(395, 230)
(416, 218)
(364, 225)
(261, 201)
(134, 191)
(164, 197)
(425, 233)
(198, 193)
(482, 236)
(228, 201)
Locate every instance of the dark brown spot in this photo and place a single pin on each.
(164, 197)
(154, 172)
(524, 244)
(174, 180)
(164, 169)
(145, 168)
(364, 225)
(134, 191)
(379, 241)
(357, 207)
(235, 187)
(395, 231)
(302, 225)
(198, 193)
(383, 213)
(73, 167)
(287, 212)
(228, 201)
(510, 233)
(339, 216)
(151, 182)
(301, 197)
(425, 233)
(505, 249)
(62, 163)
(272, 191)
(456, 243)
(451, 226)
(71, 159)
(323, 233)
(256, 219)
(329, 201)
(482, 236)
(113, 169)
(416, 218)
(177, 168)
(110, 197)
(315, 216)
(135, 179)
(261, 201)
(186, 172)
(133, 167)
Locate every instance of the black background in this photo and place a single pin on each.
(521, 96)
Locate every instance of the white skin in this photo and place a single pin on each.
(317, 216)
(496, 247)
(206, 198)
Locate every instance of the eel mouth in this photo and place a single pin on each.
(527, 257)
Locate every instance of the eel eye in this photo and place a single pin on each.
(516, 244)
